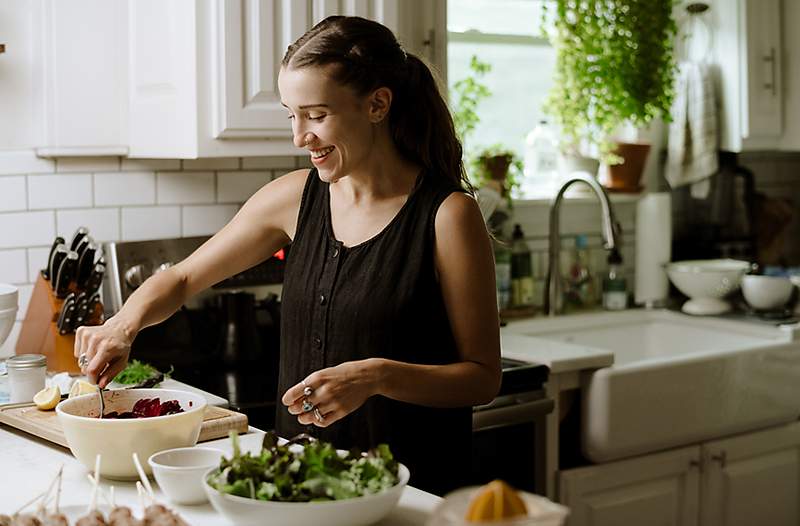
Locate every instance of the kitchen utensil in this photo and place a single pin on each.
(79, 234)
(179, 472)
(46, 271)
(95, 279)
(66, 274)
(767, 293)
(707, 282)
(117, 439)
(57, 258)
(85, 264)
(66, 317)
(357, 511)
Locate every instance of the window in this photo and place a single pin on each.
(505, 34)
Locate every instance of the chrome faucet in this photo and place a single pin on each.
(552, 291)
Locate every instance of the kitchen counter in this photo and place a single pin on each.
(29, 464)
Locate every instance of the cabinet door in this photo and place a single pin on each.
(251, 38)
(753, 479)
(658, 490)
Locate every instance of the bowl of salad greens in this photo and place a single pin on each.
(305, 481)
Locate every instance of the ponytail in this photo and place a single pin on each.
(368, 56)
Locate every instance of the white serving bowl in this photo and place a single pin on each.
(707, 282)
(179, 472)
(358, 511)
(9, 296)
(117, 439)
(767, 293)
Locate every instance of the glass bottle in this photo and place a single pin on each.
(540, 162)
(521, 270)
(615, 287)
(502, 273)
(580, 287)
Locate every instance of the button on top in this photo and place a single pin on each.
(322, 299)
(335, 252)
(317, 342)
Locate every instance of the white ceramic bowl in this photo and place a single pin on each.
(767, 293)
(452, 510)
(706, 282)
(179, 472)
(357, 511)
(117, 439)
(9, 295)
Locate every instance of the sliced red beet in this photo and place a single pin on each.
(147, 407)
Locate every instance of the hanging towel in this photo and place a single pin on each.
(693, 138)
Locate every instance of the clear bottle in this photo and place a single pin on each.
(502, 273)
(540, 162)
(615, 286)
(521, 270)
(580, 287)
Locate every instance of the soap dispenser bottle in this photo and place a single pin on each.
(615, 286)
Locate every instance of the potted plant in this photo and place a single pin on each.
(614, 66)
(497, 167)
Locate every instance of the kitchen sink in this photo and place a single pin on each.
(676, 379)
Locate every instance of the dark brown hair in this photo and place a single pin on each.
(369, 56)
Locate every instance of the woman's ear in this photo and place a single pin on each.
(379, 103)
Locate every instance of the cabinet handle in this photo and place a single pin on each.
(770, 59)
(695, 463)
(722, 458)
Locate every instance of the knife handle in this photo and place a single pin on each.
(55, 263)
(46, 270)
(66, 273)
(85, 264)
(79, 234)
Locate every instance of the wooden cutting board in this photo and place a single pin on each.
(44, 424)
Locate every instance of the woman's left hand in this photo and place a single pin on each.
(334, 392)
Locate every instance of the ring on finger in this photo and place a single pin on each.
(307, 405)
(307, 390)
(82, 360)
(318, 415)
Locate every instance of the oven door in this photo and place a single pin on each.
(508, 440)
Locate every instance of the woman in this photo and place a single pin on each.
(389, 326)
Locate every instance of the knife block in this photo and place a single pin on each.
(39, 334)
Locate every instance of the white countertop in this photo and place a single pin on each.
(560, 357)
(29, 464)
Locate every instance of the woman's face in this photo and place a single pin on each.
(329, 120)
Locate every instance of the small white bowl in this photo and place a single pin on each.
(179, 472)
(9, 295)
(767, 293)
(358, 511)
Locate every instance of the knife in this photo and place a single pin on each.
(46, 270)
(94, 315)
(95, 279)
(85, 264)
(83, 244)
(55, 263)
(65, 319)
(66, 273)
(79, 234)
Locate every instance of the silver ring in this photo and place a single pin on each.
(82, 360)
(307, 390)
(318, 415)
(307, 405)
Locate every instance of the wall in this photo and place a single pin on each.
(123, 199)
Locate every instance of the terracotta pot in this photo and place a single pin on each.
(497, 166)
(626, 177)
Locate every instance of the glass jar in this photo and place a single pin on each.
(26, 376)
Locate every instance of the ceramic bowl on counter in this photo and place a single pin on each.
(452, 511)
(707, 282)
(767, 293)
(8, 309)
(179, 472)
(356, 511)
(117, 439)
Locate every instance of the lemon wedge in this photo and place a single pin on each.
(82, 387)
(494, 502)
(47, 398)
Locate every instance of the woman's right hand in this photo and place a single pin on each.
(106, 348)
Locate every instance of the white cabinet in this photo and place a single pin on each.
(657, 489)
(184, 78)
(749, 54)
(739, 481)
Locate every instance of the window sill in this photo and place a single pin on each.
(545, 200)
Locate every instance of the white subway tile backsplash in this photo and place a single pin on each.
(37, 260)
(27, 229)
(150, 222)
(223, 163)
(13, 194)
(87, 164)
(206, 220)
(59, 191)
(185, 188)
(278, 163)
(103, 223)
(237, 187)
(7, 349)
(124, 188)
(13, 266)
(24, 162)
(149, 165)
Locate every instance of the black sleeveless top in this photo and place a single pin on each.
(379, 298)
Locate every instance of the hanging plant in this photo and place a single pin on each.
(614, 64)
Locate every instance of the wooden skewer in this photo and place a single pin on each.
(96, 480)
(143, 477)
(58, 490)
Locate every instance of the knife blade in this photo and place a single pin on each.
(79, 234)
(85, 265)
(55, 263)
(46, 270)
(66, 273)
